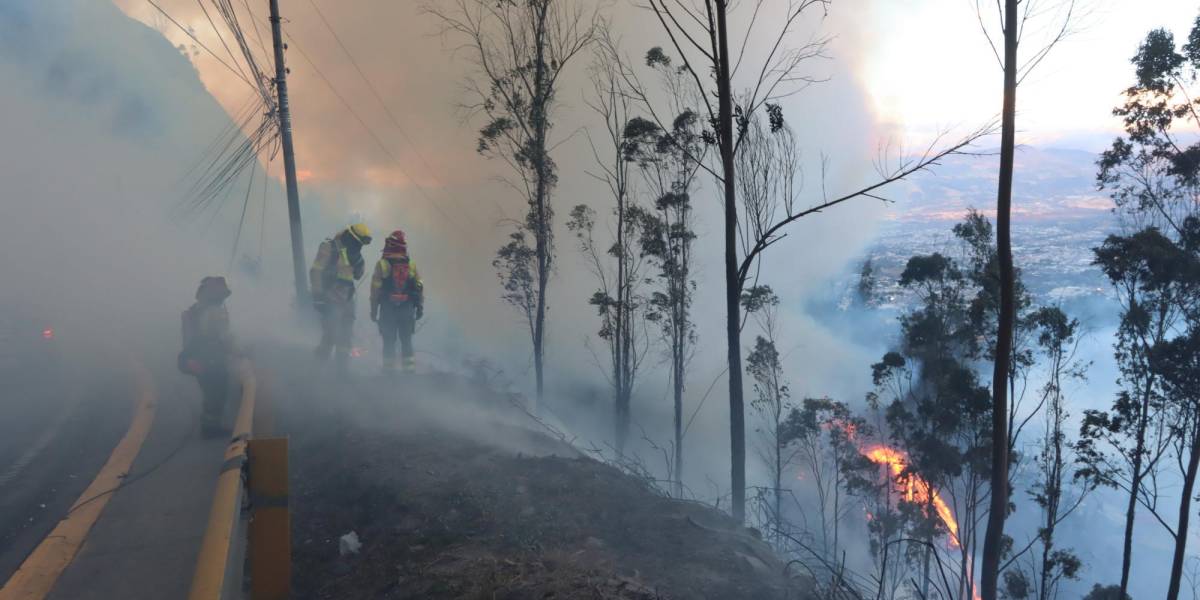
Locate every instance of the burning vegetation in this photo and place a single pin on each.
(911, 488)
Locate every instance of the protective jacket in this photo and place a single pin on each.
(396, 281)
(334, 271)
(207, 337)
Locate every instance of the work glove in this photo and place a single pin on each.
(420, 312)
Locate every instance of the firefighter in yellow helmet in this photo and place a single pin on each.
(336, 269)
(397, 301)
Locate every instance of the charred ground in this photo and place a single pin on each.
(454, 493)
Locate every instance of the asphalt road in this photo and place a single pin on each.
(59, 423)
(146, 542)
(61, 416)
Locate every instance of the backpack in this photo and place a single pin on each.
(200, 350)
(400, 280)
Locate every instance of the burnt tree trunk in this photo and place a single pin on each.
(993, 539)
(541, 208)
(1185, 505)
(621, 333)
(1135, 484)
(733, 284)
(678, 364)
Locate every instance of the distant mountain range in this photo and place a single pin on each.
(1050, 185)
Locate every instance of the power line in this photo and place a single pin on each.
(254, 23)
(262, 223)
(216, 141)
(237, 238)
(379, 98)
(228, 12)
(375, 92)
(371, 133)
(197, 40)
(220, 37)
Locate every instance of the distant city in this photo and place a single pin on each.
(1058, 217)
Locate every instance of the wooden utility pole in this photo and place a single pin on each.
(289, 158)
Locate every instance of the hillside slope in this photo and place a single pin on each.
(456, 494)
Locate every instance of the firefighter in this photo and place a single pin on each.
(209, 350)
(397, 301)
(338, 265)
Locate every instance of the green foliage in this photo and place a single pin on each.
(668, 161)
(764, 367)
(1155, 280)
(582, 220)
(490, 134)
(1106, 592)
(1153, 175)
(514, 264)
(867, 282)
(655, 57)
(1151, 171)
(1178, 362)
(1016, 585)
(640, 133)
(932, 391)
(932, 269)
(759, 298)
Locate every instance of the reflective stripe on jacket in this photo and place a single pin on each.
(382, 278)
(334, 267)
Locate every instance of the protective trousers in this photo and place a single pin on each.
(337, 329)
(397, 321)
(214, 387)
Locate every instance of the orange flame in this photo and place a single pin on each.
(913, 487)
(847, 427)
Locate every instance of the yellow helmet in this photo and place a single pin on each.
(360, 232)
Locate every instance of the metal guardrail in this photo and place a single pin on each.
(255, 470)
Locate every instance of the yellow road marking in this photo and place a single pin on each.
(213, 562)
(38, 574)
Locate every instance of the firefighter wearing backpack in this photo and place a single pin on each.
(208, 350)
(397, 301)
(336, 269)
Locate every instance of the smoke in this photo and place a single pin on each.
(96, 128)
(424, 177)
(110, 114)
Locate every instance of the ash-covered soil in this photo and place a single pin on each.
(454, 493)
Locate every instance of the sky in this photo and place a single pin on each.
(925, 64)
(932, 67)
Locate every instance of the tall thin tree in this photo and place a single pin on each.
(700, 33)
(618, 301)
(1015, 16)
(1152, 175)
(772, 399)
(669, 157)
(520, 49)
